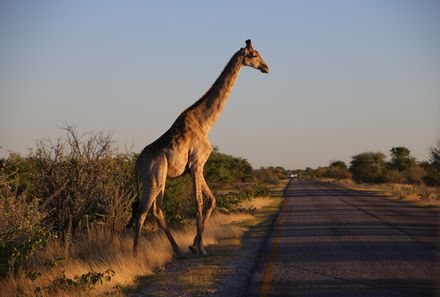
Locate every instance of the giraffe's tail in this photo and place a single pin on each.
(135, 204)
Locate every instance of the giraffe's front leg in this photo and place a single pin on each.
(212, 203)
(197, 246)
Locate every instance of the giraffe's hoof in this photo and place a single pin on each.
(194, 250)
(202, 252)
(179, 256)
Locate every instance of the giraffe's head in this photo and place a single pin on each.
(253, 59)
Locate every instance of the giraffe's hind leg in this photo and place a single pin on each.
(152, 183)
(148, 195)
(158, 214)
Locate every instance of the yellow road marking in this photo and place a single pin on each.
(267, 278)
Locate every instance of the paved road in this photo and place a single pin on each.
(331, 241)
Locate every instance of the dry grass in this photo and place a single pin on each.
(257, 203)
(102, 250)
(419, 194)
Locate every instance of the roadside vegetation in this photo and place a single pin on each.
(401, 176)
(64, 208)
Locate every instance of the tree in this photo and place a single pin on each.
(400, 158)
(338, 164)
(433, 167)
(368, 167)
(338, 169)
(226, 169)
(308, 172)
(435, 156)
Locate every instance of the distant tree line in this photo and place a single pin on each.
(372, 167)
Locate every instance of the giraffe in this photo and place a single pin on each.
(185, 147)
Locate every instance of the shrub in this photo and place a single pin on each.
(81, 181)
(338, 173)
(226, 169)
(368, 167)
(270, 175)
(22, 231)
(87, 280)
(228, 202)
(178, 201)
(414, 174)
(394, 176)
(433, 167)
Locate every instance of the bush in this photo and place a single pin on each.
(337, 170)
(432, 167)
(368, 167)
(228, 202)
(394, 176)
(179, 204)
(81, 181)
(414, 174)
(270, 175)
(226, 169)
(22, 231)
(85, 281)
(338, 173)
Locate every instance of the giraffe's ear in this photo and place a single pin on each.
(249, 44)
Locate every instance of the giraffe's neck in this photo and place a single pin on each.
(208, 108)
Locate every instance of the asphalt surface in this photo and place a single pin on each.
(332, 241)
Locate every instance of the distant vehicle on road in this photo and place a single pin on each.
(293, 175)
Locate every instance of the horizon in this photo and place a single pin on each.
(346, 77)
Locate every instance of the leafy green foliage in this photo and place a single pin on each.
(87, 280)
(228, 202)
(33, 275)
(403, 168)
(13, 253)
(368, 167)
(270, 175)
(178, 200)
(338, 164)
(22, 231)
(338, 170)
(226, 169)
(400, 158)
(432, 167)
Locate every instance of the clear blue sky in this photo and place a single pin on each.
(346, 76)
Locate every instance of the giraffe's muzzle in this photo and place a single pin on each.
(264, 68)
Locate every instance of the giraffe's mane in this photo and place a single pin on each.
(216, 84)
